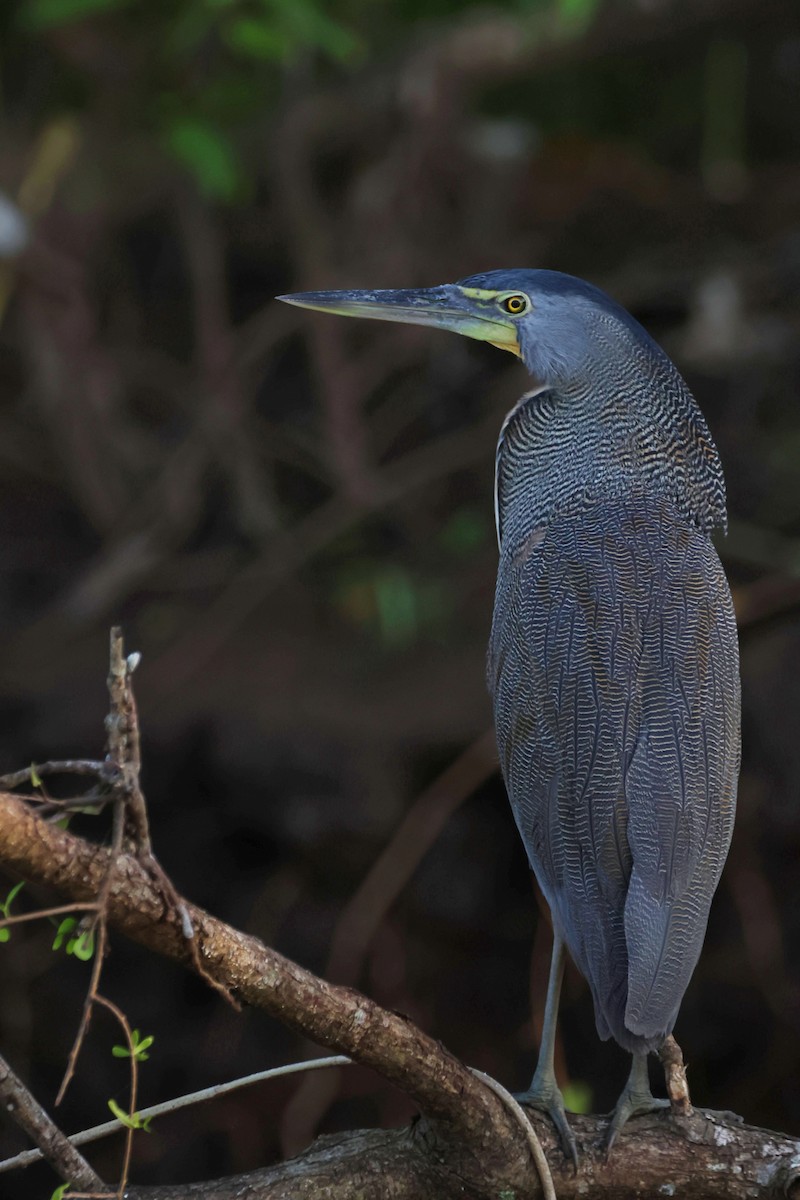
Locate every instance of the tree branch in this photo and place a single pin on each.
(466, 1113)
(469, 1145)
(702, 1158)
(27, 1112)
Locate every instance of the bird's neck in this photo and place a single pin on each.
(569, 447)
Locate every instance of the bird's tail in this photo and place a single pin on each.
(664, 937)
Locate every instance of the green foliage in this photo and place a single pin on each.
(51, 14)
(140, 1047)
(465, 532)
(61, 1191)
(393, 604)
(577, 14)
(202, 74)
(80, 945)
(213, 68)
(130, 1120)
(207, 154)
(578, 1097)
(5, 908)
(397, 605)
(283, 29)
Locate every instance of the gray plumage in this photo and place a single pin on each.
(613, 661)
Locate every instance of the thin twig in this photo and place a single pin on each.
(60, 910)
(131, 831)
(91, 996)
(169, 1106)
(131, 827)
(63, 766)
(129, 1129)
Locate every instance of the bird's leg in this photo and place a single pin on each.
(544, 1093)
(636, 1099)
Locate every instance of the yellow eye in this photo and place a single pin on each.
(515, 305)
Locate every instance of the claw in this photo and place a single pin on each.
(635, 1101)
(545, 1095)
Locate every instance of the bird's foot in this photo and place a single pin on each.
(635, 1101)
(544, 1094)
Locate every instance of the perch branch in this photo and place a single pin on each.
(466, 1113)
(470, 1145)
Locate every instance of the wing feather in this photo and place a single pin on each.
(614, 671)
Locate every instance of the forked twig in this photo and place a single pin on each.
(61, 766)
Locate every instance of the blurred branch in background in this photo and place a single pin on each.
(367, 908)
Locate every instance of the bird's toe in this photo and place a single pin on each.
(631, 1104)
(545, 1096)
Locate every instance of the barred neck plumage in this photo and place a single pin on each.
(634, 427)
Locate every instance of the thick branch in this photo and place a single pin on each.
(466, 1113)
(468, 1146)
(701, 1158)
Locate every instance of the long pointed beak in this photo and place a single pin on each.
(448, 307)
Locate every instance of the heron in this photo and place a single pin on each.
(613, 656)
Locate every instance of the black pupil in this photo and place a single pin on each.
(514, 304)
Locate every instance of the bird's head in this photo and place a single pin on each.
(557, 324)
(621, 403)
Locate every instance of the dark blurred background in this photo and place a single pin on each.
(292, 514)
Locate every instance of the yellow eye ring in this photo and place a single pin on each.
(515, 305)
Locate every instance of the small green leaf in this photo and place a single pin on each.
(129, 1120)
(64, 929)
(36, 780)
(140, 1047)
(82, 946)
(60, 1192)
(5, 907)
